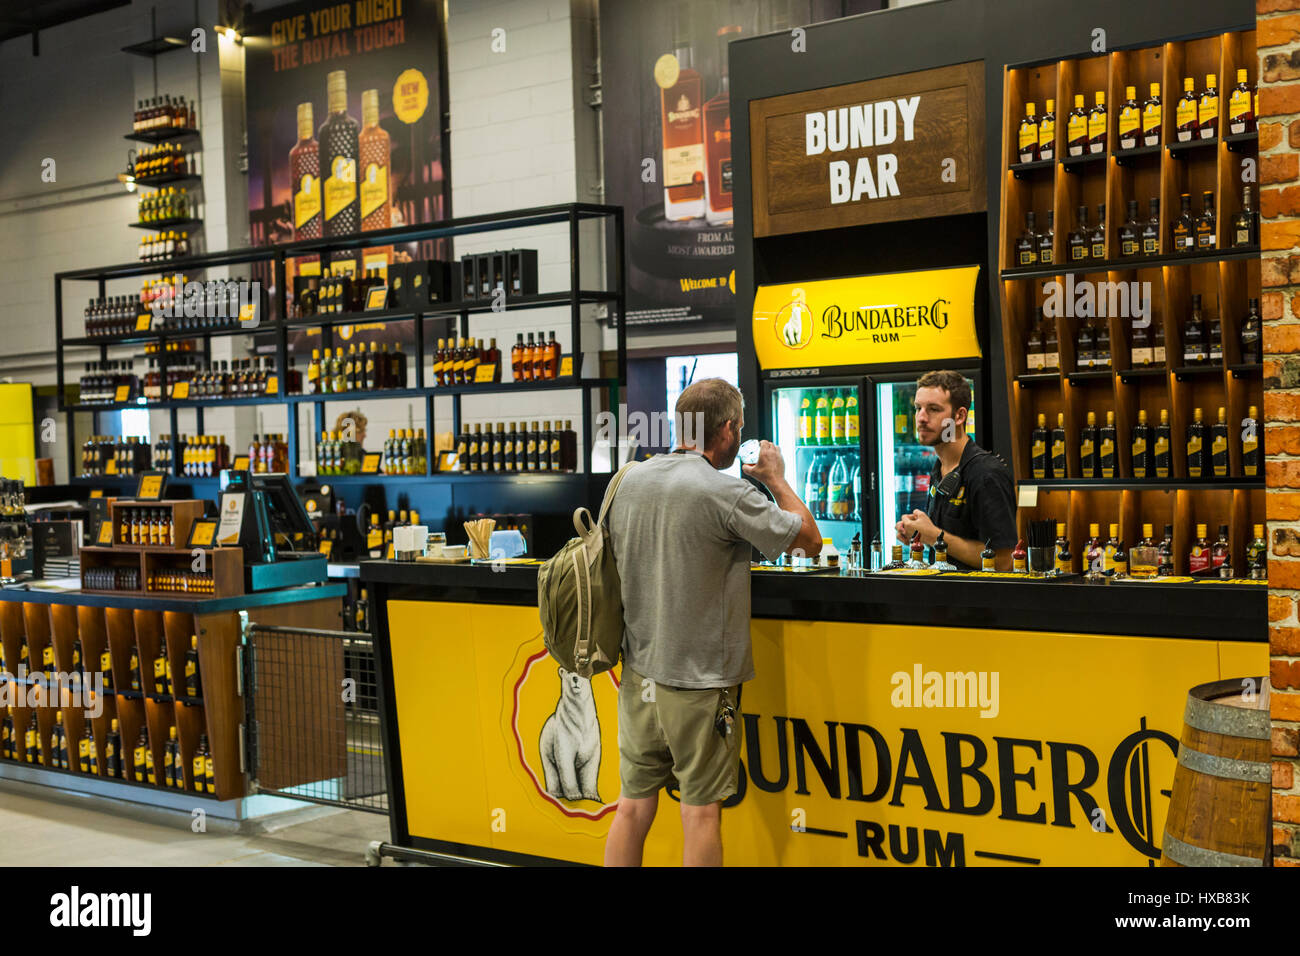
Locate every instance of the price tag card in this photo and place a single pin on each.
(110, 467)
(240, 463)
(181, 390)
(389, 553)
(326, 547)
(448, 461)
(202, 533)
(248, 312)
(376, 298)
(232, 517)
(150, 487)
(122, 394)
(273, 385)
(1028, 496)
(96, 492)
(370, 464)
(105, 536)
(309, 268)
(566, 366)
(143, 323)
(484, 373)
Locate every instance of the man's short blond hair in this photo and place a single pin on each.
(711, 401)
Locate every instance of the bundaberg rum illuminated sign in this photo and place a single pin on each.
(867, 320)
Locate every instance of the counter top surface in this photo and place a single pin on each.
(35, 594)
(1206, 611)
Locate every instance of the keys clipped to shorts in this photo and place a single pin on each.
(726, 719)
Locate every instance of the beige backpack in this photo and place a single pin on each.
(579, 595)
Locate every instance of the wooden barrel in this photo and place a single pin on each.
(1219, 808)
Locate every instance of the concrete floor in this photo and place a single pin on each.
(40, 826)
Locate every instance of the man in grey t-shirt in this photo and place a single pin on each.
(682, 534)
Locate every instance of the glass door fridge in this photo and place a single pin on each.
(904, 465)
(817, 426)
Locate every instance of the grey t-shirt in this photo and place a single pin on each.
(682, 533)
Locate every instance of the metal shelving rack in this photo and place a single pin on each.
(612, 294)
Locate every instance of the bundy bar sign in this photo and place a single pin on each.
(900, 147)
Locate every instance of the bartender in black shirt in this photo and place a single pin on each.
(971, 499)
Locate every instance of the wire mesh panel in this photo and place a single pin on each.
(313, 720)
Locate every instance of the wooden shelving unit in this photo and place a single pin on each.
(1225, 279)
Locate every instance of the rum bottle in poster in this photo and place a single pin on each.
(339, 150)
(682, 126)
(717, 142)
(304, 173)
(376, 212)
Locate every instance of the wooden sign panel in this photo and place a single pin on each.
(909, 146)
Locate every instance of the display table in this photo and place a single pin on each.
(148, 628)
(939, 720)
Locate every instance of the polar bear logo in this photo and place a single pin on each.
(570, 742)
(792, 332)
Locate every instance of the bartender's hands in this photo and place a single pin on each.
(917, 521)
(770, 466)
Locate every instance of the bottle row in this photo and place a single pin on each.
(405, 452)
(165, 205)
(163, 113)
(1202, 341)
(373, 369)
(87, 759)
(191, 683)
(833, 485)
(829, 416)
(146, 527)
(162, 246)
(163, 159)
(1151, 447)
(518, 449)
(1138, 237)
(379, 535)
(1196, 117)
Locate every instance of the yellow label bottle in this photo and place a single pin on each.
(851, 422)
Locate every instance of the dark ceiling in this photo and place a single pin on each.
(22, 17)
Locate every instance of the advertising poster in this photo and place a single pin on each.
(345, 107)
(667, 135)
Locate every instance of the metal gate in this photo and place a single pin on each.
(312, 723)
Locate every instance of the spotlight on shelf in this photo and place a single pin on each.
(230, 33)
(127, 180)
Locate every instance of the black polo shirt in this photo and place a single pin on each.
(982, 507)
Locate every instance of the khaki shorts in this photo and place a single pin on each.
(673, 738)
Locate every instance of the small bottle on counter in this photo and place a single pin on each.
(988, 557)
(941, 562)
(917, 561)
(1020, 558)
(896, 559)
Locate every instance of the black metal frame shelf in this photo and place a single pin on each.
(1127, 375)
(1029, 379)
(1023, 170)
(1246, 368)
(1089, 375)
(165, 223)
(1184, 372)
(1143, 484)
(1132, 263)
(1177, 150)
(161, 136)
(167, 179)
(1074, 164)
(1125, 156)
(574, 298)
(1241, 142)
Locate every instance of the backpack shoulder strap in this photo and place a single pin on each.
(611, 490)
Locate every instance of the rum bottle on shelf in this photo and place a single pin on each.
(1101, 348)
(1047, 132)
(1198, 559)
(1207, 109)
(1158, 342)
(1130, 120)
(1151, 117)
(1093, 553)
(373, 147)
(1034, 358)
(1241, 112)
(1079, 238)
(1186, 127)
(1062, 559)
(1058, 447)
(1026, 245)
(1028, 138)
(304, 178)
(1106, 447)
(1166, 553)
(1257, 555)
(1045, 240)
(1194, 346)
(1097, 239)
(1097, 124)
(1140, 446)
(339, 152)
(1185, 226)
(1150, 235)
(113, 751)
(1110, 552)
(1161, 457)
(1076, 141)
(1051, 346)
(1130, 232)
(1250, 443)
(1038, 447)
(1206, 239)
(1140, 354)
(1219, 553)
(1214, 340)
(1088, 447)
(1196, 445)
(1245, 224)
(1219, 444)
(1084, 346)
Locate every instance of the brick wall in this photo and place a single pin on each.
(1278, 40)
